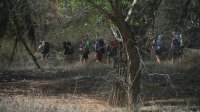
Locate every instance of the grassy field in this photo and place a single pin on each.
(77, 87)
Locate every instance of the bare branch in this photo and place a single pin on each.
(130, 12)
(116, 33)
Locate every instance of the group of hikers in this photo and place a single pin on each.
(109, 49)
(102, 49)
(176, 46)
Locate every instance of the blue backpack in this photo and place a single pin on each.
(159, 44)
(97, 46)
(177, 42)
(109, 50)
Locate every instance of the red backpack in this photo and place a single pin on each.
(114, 43)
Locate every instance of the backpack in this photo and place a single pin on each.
(68, 49)
(177, 41)
(114, 43)
(101, 42)
(109, 49)
(46, 47)
(97, 46)
(71, 50)
(88, 45)
(159, 44)
(86, 49)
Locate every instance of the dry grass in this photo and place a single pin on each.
(54, 104)
(80, 87)
(73, 103)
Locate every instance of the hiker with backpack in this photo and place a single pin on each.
(88, 43)
(158, 47)
(43, 49)
(177, 46)
(100, 50)
(111, 51)
(84, 50)
(68, 51)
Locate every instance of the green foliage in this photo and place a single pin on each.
(77, 3)
(195, 6)
(127, 3)
(83, 3)
(135, 23)
(195, 3)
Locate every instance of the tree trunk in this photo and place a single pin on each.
(131, 86)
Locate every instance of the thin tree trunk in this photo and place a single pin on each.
(13, 52)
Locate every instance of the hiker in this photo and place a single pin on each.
(43, 49)
(88, 43)
(84, 50)
(177, 46)
(158, 47)
(68, 51)
(111, 50)
(100, 50)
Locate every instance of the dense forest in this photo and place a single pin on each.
(99, 55)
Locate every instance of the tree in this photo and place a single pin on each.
(131, 84)
(14, 12)
(122, 14)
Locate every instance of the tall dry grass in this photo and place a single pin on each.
(53, 104)
(99, 79)
(84, 104)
